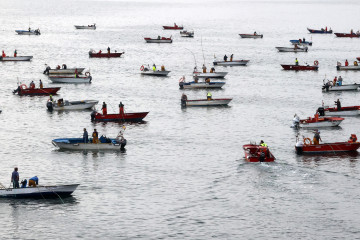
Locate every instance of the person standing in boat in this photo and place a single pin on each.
(263, 144)
(255, 33)
(95, 136)
(15, 53)
(225, 58)
(85, 136)
(121, 108)
(32, 85)
(346, 63)
(33, 181)
(231, 57)
(317, 138)
(209, 96)
(104, 108)
(51, 98)
(334, 81)
(41, 84)
(204, 68)
(15, 178)
(338, 104)
(76, 73)
(154, 67)
(3, 54)
(296, 62)
(340, 81)
(108, 49)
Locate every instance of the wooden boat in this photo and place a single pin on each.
(158, 40)
(348, 35)
(92, 27)
(353, 68)
(28, 32)
(292, 49)
(104, 143)
(194, 85)
(210, 75)
(320, 122)
(299, 67)
(175, 27)
(94, 54)
(257, 153)
(231, 63)
(23, 90)
(343, 111)
(251, 35)
(307, 147)
(187, 33)
(64, 71)
(38, 192)
(61, 105)
(17, 58)
(345, 87)
(70, 79)
(322, 31)
(205, 102)
(306, 43)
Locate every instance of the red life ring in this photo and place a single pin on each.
(142, 68)
(307, 141)
(87, 74)
(23, 86)
(316, 62)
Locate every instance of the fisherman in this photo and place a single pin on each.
(296, 62)
(317, 138)
(108, 49)
(355, 63)
(334, 81)
(255, 33)
(3, 54)
(263, 144)
(212, 70)
(204, 68)
(209, 96)
(338, 104)
(303, 40)
(351, 31)
(29, 29)
(231, 57)
(15, 178)
(158, 37)
(296, 46)
(41, 84)
(85, 136)
(32, 85)
(207, 80)
(195, 69)
(15, 53)
(100, 52)
(58, 67)
(95, 136)
(346, 63)
(326, 29)
(76, 73)
(121, 108)
(154, 67)
(33, 181)
(196, 78)
(104, 108)
(225, 58)
(162, 68)
(339, 81)
(64, 66)
(51, 98)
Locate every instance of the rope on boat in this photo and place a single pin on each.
(56, 194)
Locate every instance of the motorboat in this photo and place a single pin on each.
(342, 111)
(204, 102)
(117, 117)
(300, 42)
(100, 54)
(257, 153)
(63, 70)
(70, 79)
(175, 27)
(354, 67)
(242, 35)
(92, 27)
(209, 74)
(158, 40)
(23, 90)
(328, 86)
(61, 105)
(306, 146)
(185, 33)
(300, 67)
(28, 32)
(196, 84)
(316, 122)
(292, 49)
(322, 31)
(348, 35)
(17, 58)
(158, 73)
(38, 192)
(103, 143)
(231, 63)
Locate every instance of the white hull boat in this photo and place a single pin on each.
(231, 63)
(251, 35)
(91, 27)
(187, 33)
(210, 75)
(334, 123)
(149, 40)
(206, 103)
(292, 49)
(71, 105)
(39, 191)
(66, 71)
(78, 144)
(156, 73)
(26, 32)
(194, 85)
(353, 68)
(345, 87)
(18, 58)
(64, 79)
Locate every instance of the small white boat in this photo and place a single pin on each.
(231, 63)
(345, 87)
(195, 85)
(251, 35)
(205, 102)
(18, 58)
(71, 105)
(159, 40)
(92, 27)
(187, 33)
(354, 68)
(70, 79)
(210, 75)
(155, 73)
(64, 71)
(28, 32)
(105, 143)
(292, 49)
(52, 191)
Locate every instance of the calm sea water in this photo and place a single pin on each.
(183, 175)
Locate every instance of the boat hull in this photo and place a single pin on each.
(327, 148)
(66, 71)
(250, 36)
(18, 58)
(194, 85)
(301, 43)
(73, 105)
(166, 40)
(105, 55)
(334, 123)
(23, 32)
(126, 117)
(39, 191)
(64, 79)
(253, 153)
(78, 144)
(320, 31)
(231, 63)
(85, 27)
(207, 103)
(287, 49)
(345, 111)
(299, 68)
(187, 34)
(348, 35)
(38, 91)
(346, 87)
(353, 68)
(210, 75)
(156, 73)
(173, 28)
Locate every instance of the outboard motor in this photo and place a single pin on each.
(299, 146)
(181, 84)
(49, 106)
(90, 79)
(183, 100)
(47, 70)
(93, 115)
(296, 122)
(321, 111)
(17, 90)
(122, 144)
(262, 157)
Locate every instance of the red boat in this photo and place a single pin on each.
(299, 67)
(350, 35)
(306, 146)
(23, 90)
(257, 153)
(175, 27)
(93, 54)
(120, 117)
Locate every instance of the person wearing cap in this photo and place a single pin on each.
(95, 136)
(317, 138)
(85, 136)
(15, 178)
(33, 181)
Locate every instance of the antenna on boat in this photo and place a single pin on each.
(202, 49)
(193, 56)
